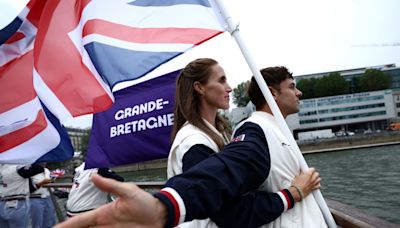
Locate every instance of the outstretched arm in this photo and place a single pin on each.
(222, 177)
(133, 208)
(196, 194)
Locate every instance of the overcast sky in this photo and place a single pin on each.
(9, 9)
(309, 36)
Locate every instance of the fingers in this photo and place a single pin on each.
(311, 170)
(87, 219)
(315, 176)
(112, 186)
(316, 180)
(109, 185)
(310, 174)
(316, 184)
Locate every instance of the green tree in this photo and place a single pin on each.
(331, 85)
(307, 87)
(240, 97)
(373, 80)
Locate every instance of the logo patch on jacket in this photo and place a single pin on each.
(238, 138)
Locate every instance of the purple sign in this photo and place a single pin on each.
(137, 127)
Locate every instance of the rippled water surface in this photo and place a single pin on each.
(368, 179)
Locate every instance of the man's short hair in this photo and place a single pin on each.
(273, 76)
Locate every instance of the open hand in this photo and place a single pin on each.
(133, 208)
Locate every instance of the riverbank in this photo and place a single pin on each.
(150, 165)
(350, 142)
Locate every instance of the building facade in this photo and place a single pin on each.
(396, 99)
(350, 112)
(76, 135)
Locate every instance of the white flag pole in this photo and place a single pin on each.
(234, 30)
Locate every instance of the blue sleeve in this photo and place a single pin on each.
(30, 171)
(253, 209)
(240, 167)
(194, 155)
(32, 187)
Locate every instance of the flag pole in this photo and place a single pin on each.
(234, 30)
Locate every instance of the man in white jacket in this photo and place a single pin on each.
(84, 195)
(284, 165)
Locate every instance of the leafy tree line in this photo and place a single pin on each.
(329, 85)
(334, 84)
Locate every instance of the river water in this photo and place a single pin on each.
(367, 179)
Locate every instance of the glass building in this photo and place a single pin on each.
(76, 135)
(357, 111)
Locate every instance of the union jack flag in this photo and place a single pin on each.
(87, 46)
(27, 130)
(57, 173)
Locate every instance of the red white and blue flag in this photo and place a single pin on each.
(57, 173)
(27, 130)
(81, 49)
(87, 46)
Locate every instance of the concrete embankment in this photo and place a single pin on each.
(350, 142)
(156, 164)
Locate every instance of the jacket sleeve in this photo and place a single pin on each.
(30, 171)
(194, 155)
(32, 187)
(204, 190)
(253, 209)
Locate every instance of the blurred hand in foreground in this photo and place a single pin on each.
(133, 208)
